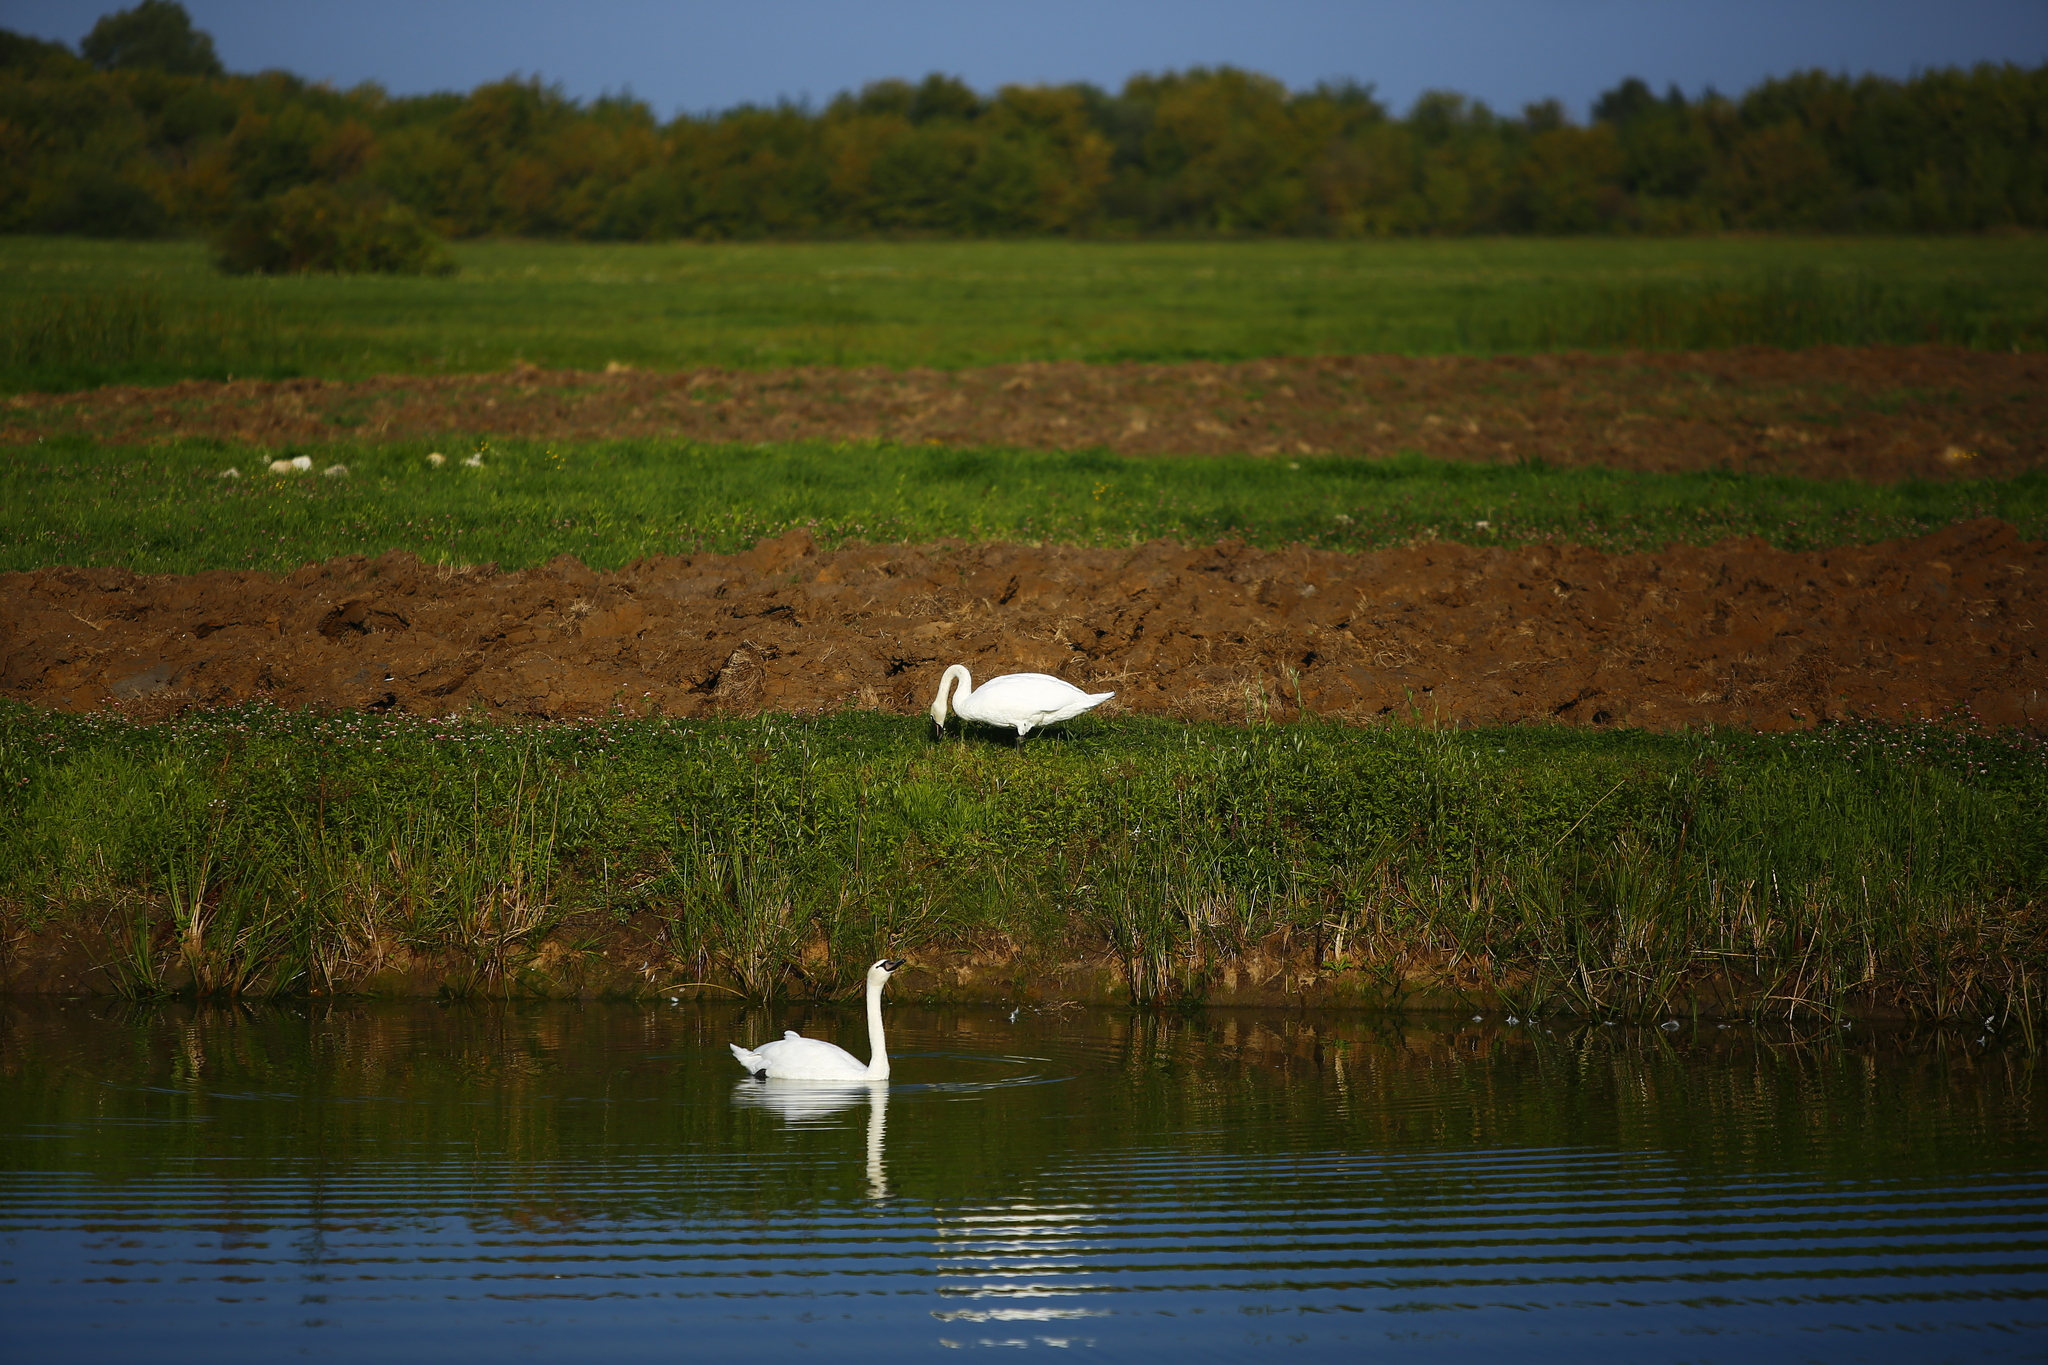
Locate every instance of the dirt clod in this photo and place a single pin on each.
(1737, 633)
(1880, 414)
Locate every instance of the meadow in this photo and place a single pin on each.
(1612, 875)
(79, 312)
(1859, 867)
(164, 508)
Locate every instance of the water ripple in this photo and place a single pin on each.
(1054, 1198)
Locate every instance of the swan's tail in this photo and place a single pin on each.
(754, 1062)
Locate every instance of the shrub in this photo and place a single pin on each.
(313, 228)
(99, 203)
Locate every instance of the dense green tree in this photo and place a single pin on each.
(23, 57)
(156, 35)
(148, 137)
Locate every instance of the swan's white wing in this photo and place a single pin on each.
(1027, 689)
(1029, 700)
(793, 1058)
(1085, 701)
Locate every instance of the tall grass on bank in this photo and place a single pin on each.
(955, 304)
(1789, 309)
(258, 851)
(80, 339)
(163, 510)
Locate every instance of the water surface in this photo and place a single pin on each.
(599, 1182)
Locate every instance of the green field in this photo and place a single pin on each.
(161, 312)
(81, 312)
(163, 509)
(1616, 874)
(252, 851)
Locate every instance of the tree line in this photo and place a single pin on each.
(141, 132)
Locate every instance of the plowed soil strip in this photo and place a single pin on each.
(1870, 414)
(1734, 634)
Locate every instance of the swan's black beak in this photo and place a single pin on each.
(892, 963)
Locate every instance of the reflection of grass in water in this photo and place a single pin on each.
(952, 304)
(159, 510)
(1591, 873)
(502, 1090)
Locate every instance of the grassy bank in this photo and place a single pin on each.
(79, 313)
(160, 509)
(1861, 867)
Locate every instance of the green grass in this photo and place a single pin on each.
(953, 304)
(160, 509)
(263, 851)
(254, 851)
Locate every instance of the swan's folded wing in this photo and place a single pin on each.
(812, 1059)
(1026, 690)
(1082, 702)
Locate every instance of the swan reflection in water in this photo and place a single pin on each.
(1010, 1253)
(803, 1104)
(1005, 1261)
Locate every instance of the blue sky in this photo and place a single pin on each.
(685, 56)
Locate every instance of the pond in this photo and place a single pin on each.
(436, 1182)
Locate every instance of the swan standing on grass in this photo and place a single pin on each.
(793, 1057)
(1025, 700)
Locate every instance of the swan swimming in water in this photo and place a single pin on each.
(1024, 700)
(793, 1057)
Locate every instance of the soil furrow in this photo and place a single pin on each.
(1880, 414)
(1737, 633)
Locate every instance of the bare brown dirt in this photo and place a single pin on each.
(1880, 414)
(1734, 634)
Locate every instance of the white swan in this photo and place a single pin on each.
(793, 1057)
(1025, 700)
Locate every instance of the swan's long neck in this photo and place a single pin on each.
(878, 1046)
(948, 691)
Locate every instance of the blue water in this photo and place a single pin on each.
(562, 1182)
